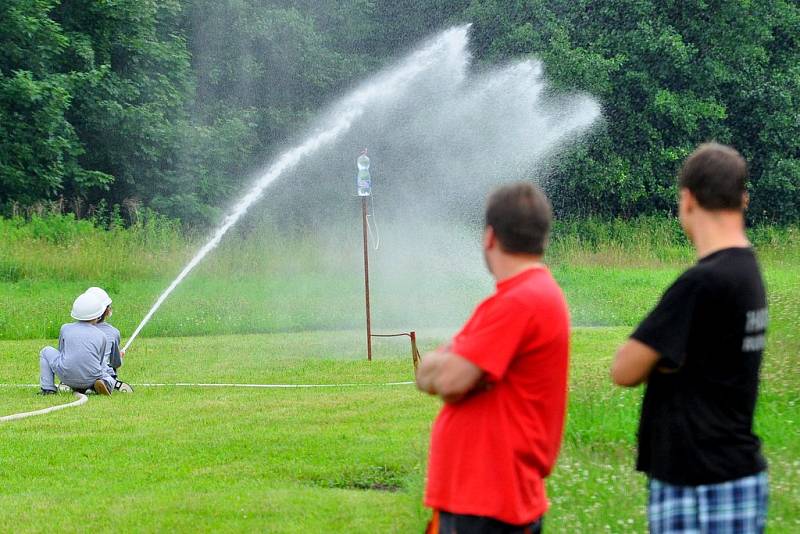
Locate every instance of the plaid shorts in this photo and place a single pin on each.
(734, 507)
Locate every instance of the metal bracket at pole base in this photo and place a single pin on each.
(415, 357)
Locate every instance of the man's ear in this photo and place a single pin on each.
(687, 200)
(745, 200)
(489, 238)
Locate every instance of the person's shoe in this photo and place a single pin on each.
(47, 392)
(63, 388)
(101, 388)
(123, 387)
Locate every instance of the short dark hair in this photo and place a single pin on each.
(520, 216)
(716, 175)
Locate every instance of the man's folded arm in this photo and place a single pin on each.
(448, 375)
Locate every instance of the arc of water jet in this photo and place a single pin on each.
(340, 120)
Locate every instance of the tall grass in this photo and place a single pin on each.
(60, 247)
(652, 240)
(267, 280)
(636, 242)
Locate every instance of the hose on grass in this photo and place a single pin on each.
(81, 399)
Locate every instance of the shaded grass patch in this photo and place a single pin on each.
(375, 477)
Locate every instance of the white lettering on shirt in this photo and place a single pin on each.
(753, 343)
(756, 321)
(756, 324)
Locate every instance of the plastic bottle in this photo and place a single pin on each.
(363, 181)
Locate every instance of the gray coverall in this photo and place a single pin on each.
(112, 354)
(79, 360)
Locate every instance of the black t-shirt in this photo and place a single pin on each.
(697, 414)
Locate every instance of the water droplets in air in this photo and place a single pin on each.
(441, 138)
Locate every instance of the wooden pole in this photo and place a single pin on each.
(366, 275)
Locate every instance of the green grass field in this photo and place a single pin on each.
(338, 459)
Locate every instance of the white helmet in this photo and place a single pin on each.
(87, 307)
(101, 294)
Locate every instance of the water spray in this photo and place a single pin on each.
(340, 118)
(494, 128)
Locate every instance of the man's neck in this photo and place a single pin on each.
(510, 265)
(718, 231)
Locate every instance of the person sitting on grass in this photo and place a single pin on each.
(113, 354)
(79, 360)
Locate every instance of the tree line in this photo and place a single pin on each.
(171, 104)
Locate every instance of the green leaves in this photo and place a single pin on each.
(37, 144)
(670, 75)
(173, 103)
(778, 192)
(30, 40)
(89, 94)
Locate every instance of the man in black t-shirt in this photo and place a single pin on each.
(699, 351)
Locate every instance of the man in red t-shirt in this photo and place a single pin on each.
(503, 379)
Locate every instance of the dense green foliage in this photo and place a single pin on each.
(670, 74)
(172, 104)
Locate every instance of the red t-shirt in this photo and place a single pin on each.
(491, 451)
